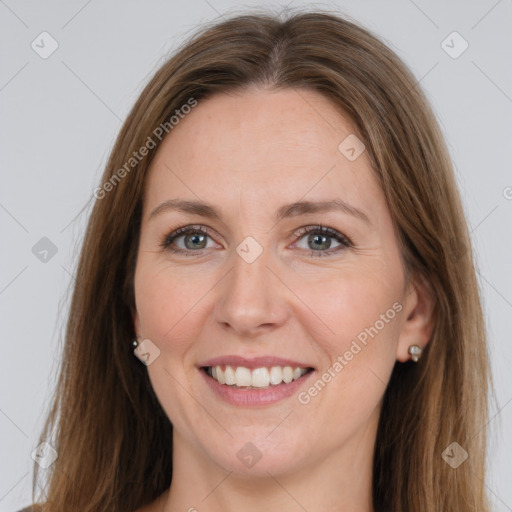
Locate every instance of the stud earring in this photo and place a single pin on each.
(415, 351)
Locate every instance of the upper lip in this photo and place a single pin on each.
(256, 362)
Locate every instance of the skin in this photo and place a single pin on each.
(248, 154)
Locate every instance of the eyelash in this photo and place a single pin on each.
(321, 230)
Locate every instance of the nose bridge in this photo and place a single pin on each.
(250, 296)
(251, 261)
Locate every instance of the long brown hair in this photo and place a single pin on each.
(113, 439)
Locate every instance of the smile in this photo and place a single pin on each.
(256, 378)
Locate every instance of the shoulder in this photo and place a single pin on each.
(32, 508)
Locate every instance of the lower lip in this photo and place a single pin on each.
(255, 397)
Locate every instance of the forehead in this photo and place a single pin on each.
(279, 146)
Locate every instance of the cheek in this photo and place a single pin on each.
(360, 315)
(167, 302)
(359, 304)
(364, 310)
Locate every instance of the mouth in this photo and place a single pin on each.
(241, 377)
(254, 382)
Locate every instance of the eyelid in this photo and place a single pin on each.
(184, 230)
(320, 228)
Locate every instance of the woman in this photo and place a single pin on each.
(270, 371)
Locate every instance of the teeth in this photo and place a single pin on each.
(219, 375)
(242, 376)
(229, 376)
(258, 378)
(287, 374)
(276, 375)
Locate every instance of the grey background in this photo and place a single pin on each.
(60, 116)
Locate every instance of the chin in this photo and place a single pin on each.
(258, 456)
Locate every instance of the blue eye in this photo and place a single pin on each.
(195, 240)
(192, 236)
(320, 235)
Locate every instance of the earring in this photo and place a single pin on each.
(415, 351)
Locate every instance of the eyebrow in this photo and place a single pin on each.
(290, 210)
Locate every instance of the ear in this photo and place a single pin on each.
(419, 320)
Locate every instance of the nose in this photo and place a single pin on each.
(252, 298)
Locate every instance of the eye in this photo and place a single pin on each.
(318, 237)
(195, 238)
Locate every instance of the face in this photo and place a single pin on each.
(260, 287)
